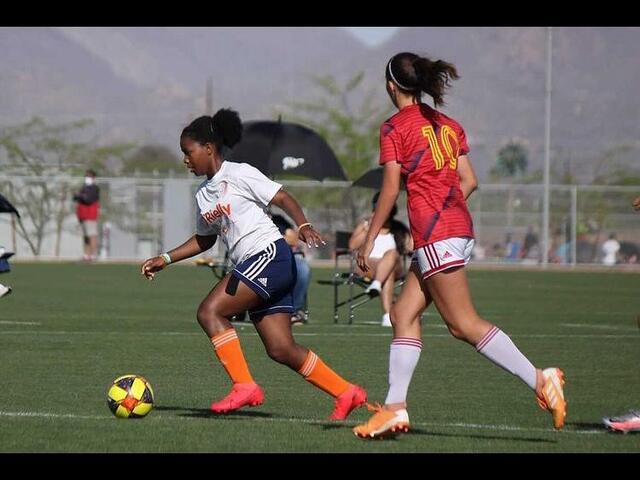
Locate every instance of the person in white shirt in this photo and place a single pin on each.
(610, 250)
(232, 203)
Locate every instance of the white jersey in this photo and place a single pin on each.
(233, 205)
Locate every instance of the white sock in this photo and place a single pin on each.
(386, 319)
(375, 285)
(498, 347)
(403, 359)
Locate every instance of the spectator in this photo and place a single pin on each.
(610, 250)
(530, 246)
(391, 243)
(87, 211)
(512, 248)
(304, 270)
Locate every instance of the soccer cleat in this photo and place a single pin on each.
(553, 396)
(353, 397)
(241, 395)
(4, 290)
(629, 422)
(383, 423)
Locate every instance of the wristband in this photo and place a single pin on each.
(308, 224)
(166, 258)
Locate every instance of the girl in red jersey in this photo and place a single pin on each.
(429, 151)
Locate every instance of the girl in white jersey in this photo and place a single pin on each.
(232, 203)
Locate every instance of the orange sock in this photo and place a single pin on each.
(316, 372)
(229, 352)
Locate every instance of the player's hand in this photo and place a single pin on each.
(362, 256)
(310, 236)
(151, 266)
(636, 203)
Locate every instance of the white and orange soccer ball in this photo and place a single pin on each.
(130, 396)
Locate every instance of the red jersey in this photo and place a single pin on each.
(427, 144)
(88, 203)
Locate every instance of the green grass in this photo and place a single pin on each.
(93, 323)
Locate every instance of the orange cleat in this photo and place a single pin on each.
(353, 397)
(383, 423)
(242, 394)
(553, 396)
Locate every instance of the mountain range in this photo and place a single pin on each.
(143, 84)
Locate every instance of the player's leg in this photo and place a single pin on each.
(275, 331)
(404, 354)
(450, 292)
(228, 298)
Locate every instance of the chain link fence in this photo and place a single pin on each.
(141, 217)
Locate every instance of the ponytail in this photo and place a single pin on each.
(415, 74)
(435, 77)
(223, 129)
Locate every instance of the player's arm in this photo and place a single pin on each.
(291, 206)
(194, 246)
(468, 179)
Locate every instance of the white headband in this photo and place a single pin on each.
(394, 78)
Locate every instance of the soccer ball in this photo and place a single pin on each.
(130, 396)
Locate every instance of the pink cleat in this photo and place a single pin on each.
(624, 423)
(352, 397)
(241, 394)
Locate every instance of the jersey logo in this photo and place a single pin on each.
(446, 255)
(215, 213)
(291, 162)
(263, 281)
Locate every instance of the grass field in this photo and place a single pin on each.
(68, 330)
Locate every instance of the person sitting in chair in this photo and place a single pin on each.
(303, 277)
(392, 242)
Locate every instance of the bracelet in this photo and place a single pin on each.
(166, 258)
(308, 224)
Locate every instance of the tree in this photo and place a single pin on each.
(351, 130)
(36, 150)
(512, 161)
(151, 159)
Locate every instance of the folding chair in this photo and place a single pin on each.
(349, 278)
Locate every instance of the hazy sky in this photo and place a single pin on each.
(372, 35)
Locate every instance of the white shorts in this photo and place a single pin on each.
(438, 256)
(89, 228)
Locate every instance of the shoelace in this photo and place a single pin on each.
(374, 407)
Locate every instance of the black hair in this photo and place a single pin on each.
(415, 74)
(394, 210)
(90, 172)
(224, 128)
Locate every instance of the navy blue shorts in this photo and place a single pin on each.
(272, 274)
